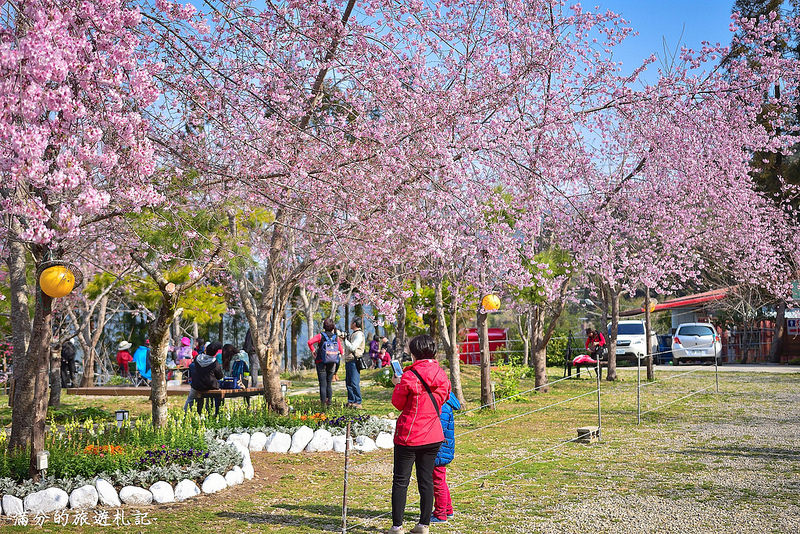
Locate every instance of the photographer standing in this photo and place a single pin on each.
(354, 345)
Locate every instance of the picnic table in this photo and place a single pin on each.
(232, 393)
(130, 391)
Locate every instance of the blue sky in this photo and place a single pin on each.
(677, 21)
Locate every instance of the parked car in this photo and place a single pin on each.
(631, 340)
(664, 353)
(695, 341)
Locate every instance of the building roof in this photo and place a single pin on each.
(688, 301)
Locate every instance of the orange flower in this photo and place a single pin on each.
(102, 450)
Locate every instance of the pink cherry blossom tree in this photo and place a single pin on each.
(72, 134)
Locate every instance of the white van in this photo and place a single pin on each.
(631, 340)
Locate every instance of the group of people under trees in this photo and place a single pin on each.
(328, 348)
(208, 363)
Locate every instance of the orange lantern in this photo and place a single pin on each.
(57, 281)
(491, 303)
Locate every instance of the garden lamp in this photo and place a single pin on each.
(42, 460)
(284, 389)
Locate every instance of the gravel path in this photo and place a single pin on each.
(734, 469)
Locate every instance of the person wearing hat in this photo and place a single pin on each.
(183, 354)
(124, 357)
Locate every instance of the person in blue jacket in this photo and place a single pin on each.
(442, 505)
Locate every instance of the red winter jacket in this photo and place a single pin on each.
(419, 424)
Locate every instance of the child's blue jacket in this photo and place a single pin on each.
(448, 448)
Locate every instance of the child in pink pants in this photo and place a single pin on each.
(442, 504)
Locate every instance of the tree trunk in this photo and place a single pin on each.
(777, 333)
(454, 357)
(486, 370)
(55, 378)
(648, 348)
(525, 327)
(270, 362)
(221, 328)
(159, 345)
(20, 319)
(539, 344)
(176, 326)
(284, 347)
(612, 335)
(90, 339)
(449, 336)
(310, 305)
(401, 330)
(297, 325)
(31, 417)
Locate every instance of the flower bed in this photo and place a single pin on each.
(93, 464)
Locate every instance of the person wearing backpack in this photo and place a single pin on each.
(328, 352)
(442, 504)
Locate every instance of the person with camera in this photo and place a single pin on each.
(595, 341)
(354, 345)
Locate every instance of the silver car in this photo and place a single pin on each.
(695, 341)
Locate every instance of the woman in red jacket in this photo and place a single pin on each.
(419, 394)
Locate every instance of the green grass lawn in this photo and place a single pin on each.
(520, 473)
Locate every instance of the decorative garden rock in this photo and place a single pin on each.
(321, 442)
(214, 483)
(106, 492)
(247, 468)
(258, 441)
(186, 489)
(384, 441)
(243, 439)
(365, 444)
(12, 505)
(162, 492)
(83, 497)
(46, 501)
(244, 451)
(135, 495)
(301, 437)
(235, 476)
(338, 443)
(279, 442)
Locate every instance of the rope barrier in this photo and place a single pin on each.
(673, 376)
(498, 401)
(592, 392)
(677, 400)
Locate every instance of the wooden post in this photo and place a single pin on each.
(486, 370)
(648, 348)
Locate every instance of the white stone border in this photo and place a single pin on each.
(103, 492)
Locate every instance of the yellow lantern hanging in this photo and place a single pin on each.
(490, 303)
(57, 281)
